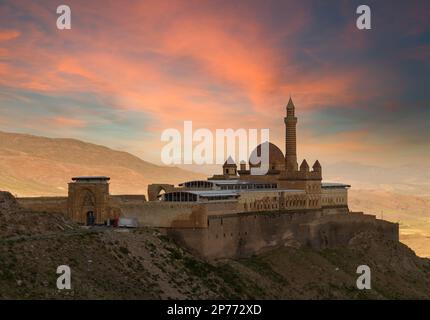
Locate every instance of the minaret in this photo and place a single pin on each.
(290, 138)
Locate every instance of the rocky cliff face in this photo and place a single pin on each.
(8, 203)
(17, 222)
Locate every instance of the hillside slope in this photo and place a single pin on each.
(413, 214)
(34, 166)
(144, 264)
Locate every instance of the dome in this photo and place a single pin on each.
(276, 157)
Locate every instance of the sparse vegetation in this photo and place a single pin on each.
(144, 264)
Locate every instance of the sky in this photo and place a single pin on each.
(128, 70)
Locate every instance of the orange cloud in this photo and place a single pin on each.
(176, 61)
(221, 47)
(67, 122)
(6, 35)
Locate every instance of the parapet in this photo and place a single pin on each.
(91, 179)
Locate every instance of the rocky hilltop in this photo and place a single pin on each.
(144, 264)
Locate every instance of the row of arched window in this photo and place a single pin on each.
(271, 205)
(330, 200)
(313, 203)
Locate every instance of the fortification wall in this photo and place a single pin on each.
(243, 234)
(44, 204)
(337, 230)
(129, 198)
(175, 214)
(335, 209)
(166, 214)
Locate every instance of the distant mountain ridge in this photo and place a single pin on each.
(407, 179)
(34, 166)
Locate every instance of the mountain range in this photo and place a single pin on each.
(35, 166)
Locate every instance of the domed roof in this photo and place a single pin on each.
(276, 157)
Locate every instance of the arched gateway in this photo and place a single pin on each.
(88, 200)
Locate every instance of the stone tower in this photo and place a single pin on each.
(229, 168)
(290, 138)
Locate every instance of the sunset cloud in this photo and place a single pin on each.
(67, 122)
(136, 70)
(6, 35)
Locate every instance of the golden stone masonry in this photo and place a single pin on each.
(235, 213)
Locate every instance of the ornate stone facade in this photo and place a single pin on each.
(88, 200)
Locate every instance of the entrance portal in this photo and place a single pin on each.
(91, 219)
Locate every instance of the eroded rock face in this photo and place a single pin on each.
(16, 221)
(8, 203)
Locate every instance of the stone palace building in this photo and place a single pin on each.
(236, 213)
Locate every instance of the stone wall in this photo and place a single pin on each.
(337, 230)
(176, 214)
(165, 214)
(334, 197)
(129, 198)
(44, 204)
(244, 234)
